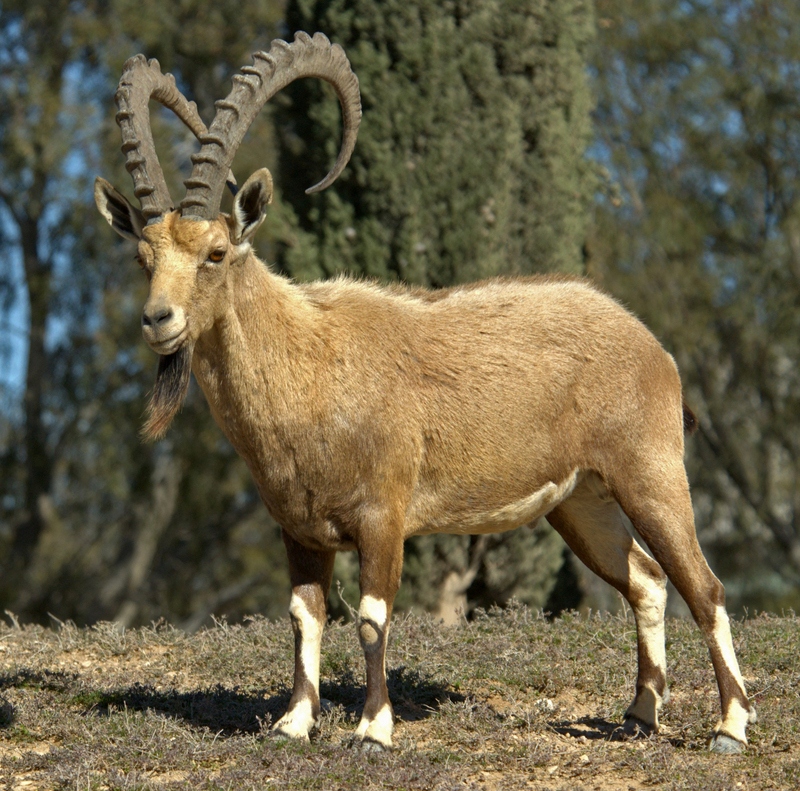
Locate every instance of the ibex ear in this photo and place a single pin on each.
(125, 219)
(250, 206)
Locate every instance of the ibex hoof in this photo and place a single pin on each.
(280, 735)
(371, 746)
(723, 744)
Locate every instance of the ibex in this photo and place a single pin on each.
(369, 414)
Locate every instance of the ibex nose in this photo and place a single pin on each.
(156, 315)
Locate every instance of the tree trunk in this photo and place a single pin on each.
(37, 461)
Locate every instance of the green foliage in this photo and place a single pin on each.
(469, 164)
(470, 167)
(93, 524)
(520, 565)
(470, 157)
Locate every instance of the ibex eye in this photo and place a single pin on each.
(216, 256)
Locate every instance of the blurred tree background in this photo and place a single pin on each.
(478, 156)
(698, 122)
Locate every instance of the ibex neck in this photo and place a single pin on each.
(256, 357)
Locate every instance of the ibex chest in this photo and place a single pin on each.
(297, 466)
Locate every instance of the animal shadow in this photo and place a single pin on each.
(592, 728)
(231, 711)
(414, 696)
(50, 681)
(596, 728)
(226, 711)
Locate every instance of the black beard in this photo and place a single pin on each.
(172, 384)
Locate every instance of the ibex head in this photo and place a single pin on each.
(187, 253)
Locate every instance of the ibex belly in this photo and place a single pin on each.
(505, 517)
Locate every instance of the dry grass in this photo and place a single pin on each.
(507, 701)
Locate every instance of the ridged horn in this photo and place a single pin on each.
(252, 88)
(141, 81)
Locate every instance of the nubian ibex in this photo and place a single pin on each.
(368, 414)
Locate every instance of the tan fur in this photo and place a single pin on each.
(368, 414)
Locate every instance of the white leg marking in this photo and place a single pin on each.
(311, 630)
(736, 718)
(722, 634)
(649, 616)
(298, 722)
(379, 729)
(645, 707)
(650, 625)
(373, 609)
(362, 726)
(735, 723)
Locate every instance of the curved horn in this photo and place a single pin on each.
(141, 81)
(271, 71)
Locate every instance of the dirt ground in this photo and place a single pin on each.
(510, 701)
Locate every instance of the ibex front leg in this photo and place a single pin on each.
(381, 565)
(310, 573)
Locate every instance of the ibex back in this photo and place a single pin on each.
(368, 414)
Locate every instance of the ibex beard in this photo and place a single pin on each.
(169, 392)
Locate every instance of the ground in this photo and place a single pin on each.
(509, 700)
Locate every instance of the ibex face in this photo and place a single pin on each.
(185, 264)
(188, 263)
(188, 254)
(170, 262)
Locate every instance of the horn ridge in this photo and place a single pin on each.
(270, 72)
(141, 81)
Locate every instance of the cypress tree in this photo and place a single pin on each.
(470, 160)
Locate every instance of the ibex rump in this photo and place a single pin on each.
(368, 414)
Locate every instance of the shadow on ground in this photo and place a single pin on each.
(596, 728)
(228, 711)
(50, 681)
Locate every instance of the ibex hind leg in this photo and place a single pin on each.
(591, 523)
(660, 508)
